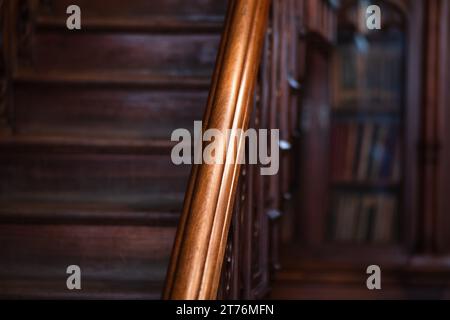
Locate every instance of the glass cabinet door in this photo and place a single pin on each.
(366, 130)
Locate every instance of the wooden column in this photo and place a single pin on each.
(433, 119)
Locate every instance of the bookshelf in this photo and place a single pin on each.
(357, 177)
(372, 157)
(366, 143)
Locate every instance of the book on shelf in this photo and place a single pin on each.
(367, 81)
(364, 218)
(365, 152)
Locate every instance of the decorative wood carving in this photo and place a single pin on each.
(263, 199)
(231, 287)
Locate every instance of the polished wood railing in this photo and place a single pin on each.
(198, 254)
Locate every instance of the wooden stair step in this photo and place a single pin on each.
(80, 145)
(160, 212)
(19, 289)
(112, 78)
(86, 177)
(174, 54)
(89, 177)
(113, 246)
(112, 259)
(118, 113)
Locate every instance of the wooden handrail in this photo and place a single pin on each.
(198, 253)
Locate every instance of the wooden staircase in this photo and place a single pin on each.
(85, 171)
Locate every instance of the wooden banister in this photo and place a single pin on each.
(197, 257)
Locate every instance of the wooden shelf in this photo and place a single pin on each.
(368, 184)
(366, 116)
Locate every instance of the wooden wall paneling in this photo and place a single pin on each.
(284, 103)
(256, 221)
(312, 10)
(431, 142)
(298, 159)
(443, 218)
(314, 173)
(275, 64)
(272, 122)
(292, 91)
(264, 192)
(414, 99)
(320, 19)
(292, 63)
(264, 112)
(297, 216)
(4, 66)
(278, 213)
